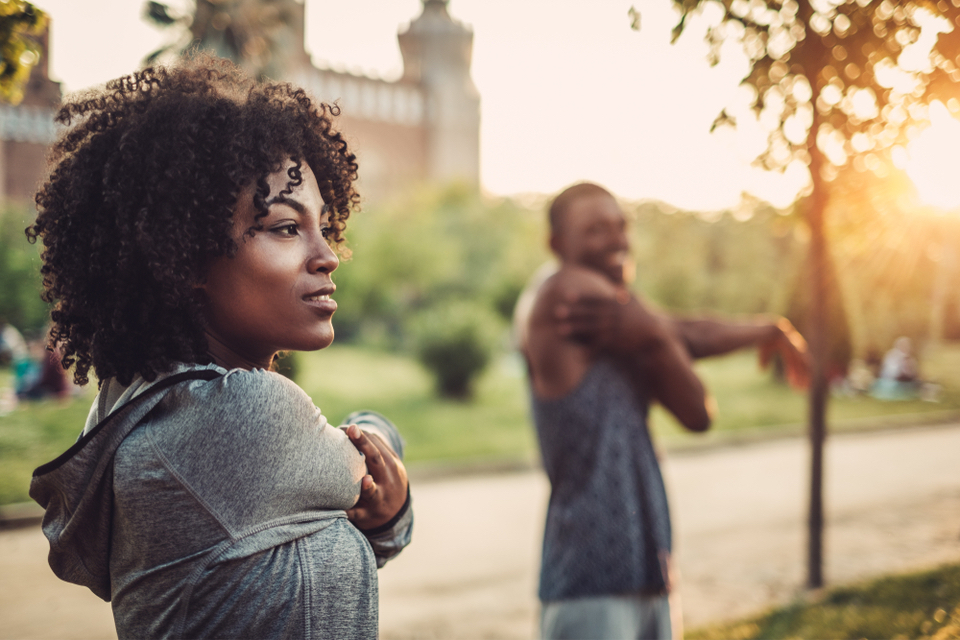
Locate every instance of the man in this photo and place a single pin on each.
(597, 356)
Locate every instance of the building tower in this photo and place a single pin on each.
(437, 52)
(26, 132)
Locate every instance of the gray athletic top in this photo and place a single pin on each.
(608, 526)
(215, 508)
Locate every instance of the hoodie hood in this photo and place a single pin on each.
(76, 489)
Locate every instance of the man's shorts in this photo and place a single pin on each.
(619, 617)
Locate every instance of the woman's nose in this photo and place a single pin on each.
(323, 258)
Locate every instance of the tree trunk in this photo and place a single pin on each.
(819, 350)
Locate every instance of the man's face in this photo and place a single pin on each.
(593, 233)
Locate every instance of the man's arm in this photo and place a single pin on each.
(647, 340)
(659, 356)
(590, 316)
(705, 338)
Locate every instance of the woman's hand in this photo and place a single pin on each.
(383, 491)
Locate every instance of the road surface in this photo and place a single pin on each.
(892, 500)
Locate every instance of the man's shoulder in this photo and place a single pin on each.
(574, 280)
(569, 283)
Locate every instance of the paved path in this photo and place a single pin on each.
(893, 502)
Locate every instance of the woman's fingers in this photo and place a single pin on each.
(368, 487)
(368, 446)
(383, 490)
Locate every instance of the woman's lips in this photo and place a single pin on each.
(321, 302)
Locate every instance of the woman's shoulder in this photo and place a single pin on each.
(256, 396)
(262, 384)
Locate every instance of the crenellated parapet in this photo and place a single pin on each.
(366, 98)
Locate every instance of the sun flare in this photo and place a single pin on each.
(933, 160)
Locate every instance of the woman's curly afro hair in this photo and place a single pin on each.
(140, 197)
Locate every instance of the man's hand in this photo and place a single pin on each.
(791, 346)
(616, 322)
(383, 491)
(585, 318)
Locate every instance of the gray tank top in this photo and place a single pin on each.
(608, 525)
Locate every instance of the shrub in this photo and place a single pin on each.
(20, 280)
(455, 341)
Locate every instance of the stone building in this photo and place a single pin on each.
(26, 132)
(424, 127)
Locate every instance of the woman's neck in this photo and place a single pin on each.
(228, 358)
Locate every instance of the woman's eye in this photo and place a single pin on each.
(288, 230)
(326, 232)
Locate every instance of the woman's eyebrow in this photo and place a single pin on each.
(290, 202)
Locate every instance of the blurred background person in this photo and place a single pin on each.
(597, 357)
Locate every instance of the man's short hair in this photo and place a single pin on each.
(567, 197)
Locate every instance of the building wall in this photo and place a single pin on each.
(26, 132)
(422, 128)
(384, 124)
(25, 167)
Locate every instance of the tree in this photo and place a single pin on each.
(262, 36)
(19, 51)
(834, 80)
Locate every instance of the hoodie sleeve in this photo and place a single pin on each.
(390, 539)
(253, 447)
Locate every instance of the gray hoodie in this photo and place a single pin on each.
(215, 508)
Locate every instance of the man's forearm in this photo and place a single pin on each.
(705, 338)
(676, 385)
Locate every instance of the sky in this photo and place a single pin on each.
(568, 90)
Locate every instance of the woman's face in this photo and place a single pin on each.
(274, 294)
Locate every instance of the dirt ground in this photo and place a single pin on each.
(892, 499)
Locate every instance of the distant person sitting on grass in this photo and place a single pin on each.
(190, 224)
(13, 354)
(597, 357)
(899, 377)
(45, 377)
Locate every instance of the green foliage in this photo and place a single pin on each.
(454, 244)
(830, 85)
(893, 258)
(689, 263)
(158, 13)
(20, 280)
(923, 605)
(255, 34)
(828, 69)
(435, 245)
(455, 341)
(494, 428)
(34, 434)
(19, 22)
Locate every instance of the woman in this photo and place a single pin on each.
(191, 222)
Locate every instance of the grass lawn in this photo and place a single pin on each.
(924, 605)
(33, 434)
(493, 427)
(751, 404)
